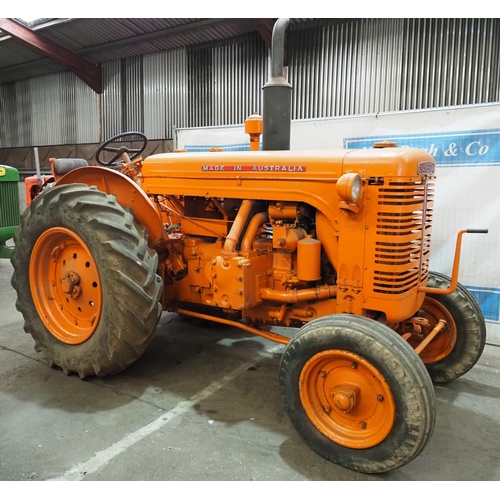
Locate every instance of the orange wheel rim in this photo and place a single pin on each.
(347, 399)
(444, 342)
(65, 285)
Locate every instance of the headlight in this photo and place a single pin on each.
(349, 187)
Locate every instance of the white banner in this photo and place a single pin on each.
(465, 142)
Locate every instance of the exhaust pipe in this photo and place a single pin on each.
(277, 94)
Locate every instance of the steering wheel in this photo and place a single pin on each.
(116, 147)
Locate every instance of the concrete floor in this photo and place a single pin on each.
(203, 404)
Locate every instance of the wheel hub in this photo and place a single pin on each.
(69, 284)
(444, 342)
(345, 397)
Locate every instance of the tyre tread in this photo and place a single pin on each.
(471, 328)
(398, 357)
(135, 278)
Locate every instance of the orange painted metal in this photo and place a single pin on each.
(445, 339)
(283, 211)
(253, 127)
(65, 285)
(234, 234)
(32, 187)
(307, 176)
(309, 259)
(280, 339)
(255, 224)
(292, 296)
(128, 194)
(430, 337)
(284, 180)
(347, 399)
(454, 274)
(231, 229)
(345, 187)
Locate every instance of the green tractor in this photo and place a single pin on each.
(9, 207)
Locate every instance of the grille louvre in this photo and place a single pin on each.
(403, 236)
(9, 204)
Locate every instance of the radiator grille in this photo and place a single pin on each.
(9, 204)
(402, 247)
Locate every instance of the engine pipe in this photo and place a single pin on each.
(427, 340)
(277, 96)
(275, 337)
(239, 223)
(292, 296)
(255, 223)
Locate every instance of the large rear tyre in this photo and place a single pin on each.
(458, 347)
(86, 281)
(357, 393)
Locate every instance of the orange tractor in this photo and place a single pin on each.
(335, 243)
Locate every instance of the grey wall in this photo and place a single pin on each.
(365, 66)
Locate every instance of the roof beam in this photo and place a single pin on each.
(88, 72)
(116, 44)
(265, 28)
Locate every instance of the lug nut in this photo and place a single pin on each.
(380, 397)
(362, 425)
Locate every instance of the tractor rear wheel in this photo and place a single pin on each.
(458, 347)
(357, 393)
(86, 281)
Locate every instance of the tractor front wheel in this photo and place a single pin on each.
(86, 281)
(357, 393)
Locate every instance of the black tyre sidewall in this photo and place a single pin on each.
(403, 371)
(471, 331)
(93, 354)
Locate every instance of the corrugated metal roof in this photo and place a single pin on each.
(107, 39)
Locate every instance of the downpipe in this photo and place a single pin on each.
(277, 96)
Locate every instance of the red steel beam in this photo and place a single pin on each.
(85, 70)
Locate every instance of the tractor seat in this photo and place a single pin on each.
(64, 165)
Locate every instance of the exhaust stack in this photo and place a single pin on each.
(277, 94)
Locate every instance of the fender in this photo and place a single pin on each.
(128, 195)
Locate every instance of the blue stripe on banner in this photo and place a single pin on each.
(488, 300)
(465, 148)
